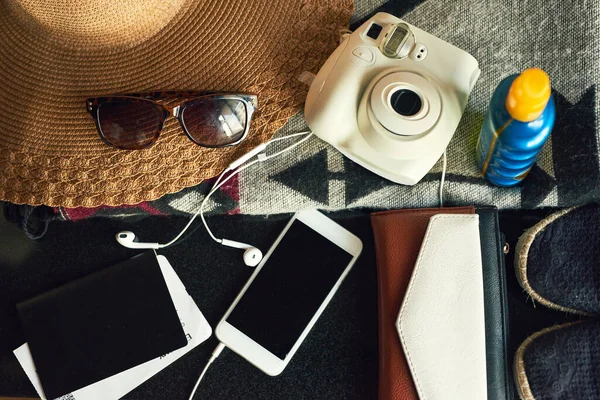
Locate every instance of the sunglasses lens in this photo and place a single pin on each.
(130, 124)
(215, 122)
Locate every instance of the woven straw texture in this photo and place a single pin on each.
(55, 54)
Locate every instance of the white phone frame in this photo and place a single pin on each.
(243, 345)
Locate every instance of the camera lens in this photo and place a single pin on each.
(406, 102)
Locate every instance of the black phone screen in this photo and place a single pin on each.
(289, 289)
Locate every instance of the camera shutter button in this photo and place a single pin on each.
(363, 56)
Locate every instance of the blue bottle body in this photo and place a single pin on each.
(507, 148)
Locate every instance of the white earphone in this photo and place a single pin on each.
(252, 255)
(127, 239)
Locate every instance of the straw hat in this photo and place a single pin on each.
(56, 53)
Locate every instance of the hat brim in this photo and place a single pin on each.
(50, 151)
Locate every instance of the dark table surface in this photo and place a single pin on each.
(338, 360)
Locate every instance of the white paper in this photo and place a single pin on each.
(194, 324)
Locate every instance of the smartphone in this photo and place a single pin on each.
(288, 291)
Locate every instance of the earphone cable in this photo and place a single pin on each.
(190, 222)
(213, 190)
(221, 181)
(264, 157)
(445, 162)
(216, 352)
(260, 157)
(304, 133)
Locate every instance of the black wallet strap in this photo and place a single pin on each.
(499, 375)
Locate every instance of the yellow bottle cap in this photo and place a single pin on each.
(528, 95)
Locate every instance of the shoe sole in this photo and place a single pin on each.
(519, 372)
(521, 254)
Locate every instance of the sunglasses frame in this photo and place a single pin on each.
(176, 110)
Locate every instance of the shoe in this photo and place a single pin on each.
(561, 362)
(558, 261)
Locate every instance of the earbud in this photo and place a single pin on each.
(252, 255)
(127, 239)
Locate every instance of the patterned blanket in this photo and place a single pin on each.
(505, 36)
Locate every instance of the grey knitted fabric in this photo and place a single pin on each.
(564, 364)
(506, 37)
(563, 261)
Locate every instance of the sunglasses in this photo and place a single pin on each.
(134, 122)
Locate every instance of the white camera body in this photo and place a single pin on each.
(390, 97)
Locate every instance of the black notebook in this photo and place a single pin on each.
(499, 371)
(100, 325)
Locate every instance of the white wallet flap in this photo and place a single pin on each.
(441, 322)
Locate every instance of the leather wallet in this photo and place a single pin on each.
(441, 323)
(500, 382)
(398, 236)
